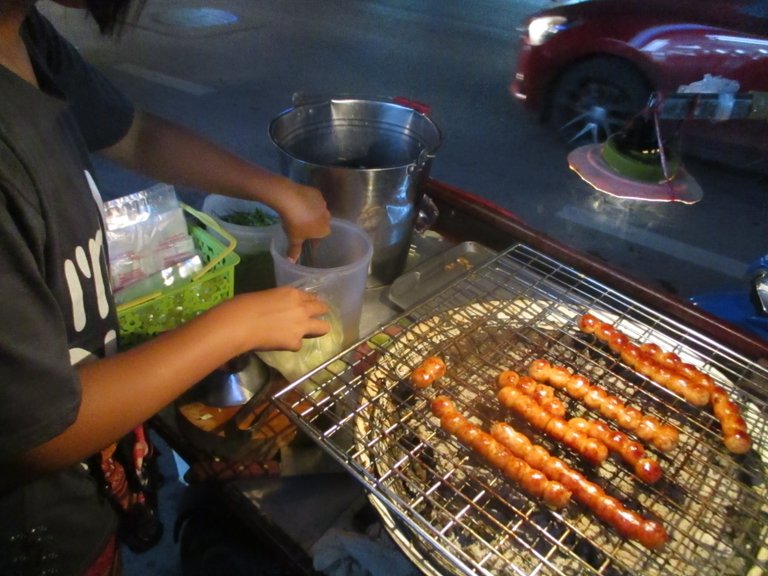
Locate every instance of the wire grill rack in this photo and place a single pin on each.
(451, 513)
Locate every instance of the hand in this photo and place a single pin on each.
(305, 216)
(276, 319)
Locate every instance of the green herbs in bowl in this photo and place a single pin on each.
(253, 217)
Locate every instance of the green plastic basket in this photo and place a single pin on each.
(145, 317)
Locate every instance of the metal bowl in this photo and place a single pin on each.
(236, 382)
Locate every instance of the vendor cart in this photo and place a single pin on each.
(486, 292)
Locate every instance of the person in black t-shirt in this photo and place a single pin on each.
(66, 393)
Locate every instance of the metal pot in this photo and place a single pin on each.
(368, 158)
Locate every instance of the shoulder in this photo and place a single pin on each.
(101, 110)
(41, 35)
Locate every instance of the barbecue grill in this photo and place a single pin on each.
(453, 513)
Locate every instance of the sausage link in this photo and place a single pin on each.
(540, 392)
(673, 377)
(507, 378)
(669, 370)
(553, 425)
(435, 365)
(734, 429)
(577, 386)
(648, 359)
(442, 405)
(543, 395)
(589, 323)
(631, 452)
(664, 437)
(532, 481)
(539, 370)
(421, 378)
(428, 372)
(626, 522)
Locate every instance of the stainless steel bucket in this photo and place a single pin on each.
(368, 158)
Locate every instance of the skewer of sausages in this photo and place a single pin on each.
(591, 449)
(629, 524)
(672, 378)
(428, 372)
(534, 482)
(663, 436)
(630, 451)
(669, 370)
(664, 368)
(543, 394)
(672, 361)
(734, 428)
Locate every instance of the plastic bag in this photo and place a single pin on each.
(147, 234)
(313, 352)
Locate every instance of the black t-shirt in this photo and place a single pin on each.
(56, 308)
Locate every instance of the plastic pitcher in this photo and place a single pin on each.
(339, 272)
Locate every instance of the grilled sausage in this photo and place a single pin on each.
(553, 425)
(589, 323)
(664, 437)
(674, 375)
(735, 435)
(428, 372)
(532, 481)
(435, 366)
(442, 405)
(542, 394)
(664, 368)
(626, 522)
(631, 452)
(421, 377)
(669, 370)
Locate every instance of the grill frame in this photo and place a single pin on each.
(333, 412)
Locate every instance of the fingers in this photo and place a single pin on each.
(315, 306)
(294, 250)
(296, 247)
(308, 218)
(317, 327)
(298, 244)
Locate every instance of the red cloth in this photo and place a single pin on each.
(108, 561)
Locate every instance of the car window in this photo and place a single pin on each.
(757, 9)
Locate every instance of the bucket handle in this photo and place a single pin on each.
(426, 215)
(425, 156)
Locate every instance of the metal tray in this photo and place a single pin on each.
(426, 278)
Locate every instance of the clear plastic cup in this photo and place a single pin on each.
(341, 262)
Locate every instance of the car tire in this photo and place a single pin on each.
(596, 98)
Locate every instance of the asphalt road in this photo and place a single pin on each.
(227, 67)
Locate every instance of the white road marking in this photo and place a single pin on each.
(680, 250)
(165, 80)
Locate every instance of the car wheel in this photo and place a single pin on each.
(596, 98)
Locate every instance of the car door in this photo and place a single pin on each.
(686, 52)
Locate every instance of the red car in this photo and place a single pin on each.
(588, 67)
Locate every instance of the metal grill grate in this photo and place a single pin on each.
(451, 512)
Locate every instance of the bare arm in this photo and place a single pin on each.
(124, 390)
(171, 153)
